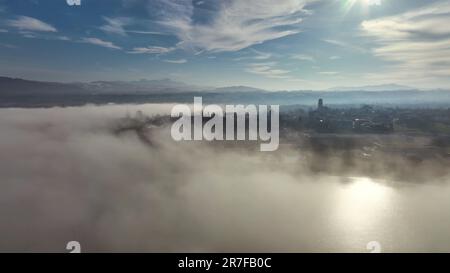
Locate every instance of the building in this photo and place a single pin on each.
(320, 104)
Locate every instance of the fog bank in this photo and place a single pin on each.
(65, 175)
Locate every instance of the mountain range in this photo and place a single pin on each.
(26, 93)
(374, 88)
(16, 86)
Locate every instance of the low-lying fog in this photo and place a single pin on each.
(65, 176)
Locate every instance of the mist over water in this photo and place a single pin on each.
(65, 175)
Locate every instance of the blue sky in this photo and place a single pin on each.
(275, 45)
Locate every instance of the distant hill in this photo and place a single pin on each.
(13, 86)
(238, 89)
(374, 88)
(18, 87)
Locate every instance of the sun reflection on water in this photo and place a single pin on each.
(362, 209)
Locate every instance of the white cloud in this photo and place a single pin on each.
(268, 69)
(145, 32)
(27, 34)
(176, 61)
(3, 30)
(116, 25)
(344, 45)
(416, 43)
(235, 24)
(151, 50)
(329, 73)
(99, 42)
(303, 57)
(30, 24)
(63, 38)
(258, 55)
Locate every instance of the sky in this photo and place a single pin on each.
(268, 44)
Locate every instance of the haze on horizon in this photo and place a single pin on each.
(295, 44)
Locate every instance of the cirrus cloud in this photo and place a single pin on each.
(100, 42)
(151, 50)
(31, 24)
(176, 61)
(115, 25)
(232, 25)
(268, 69)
